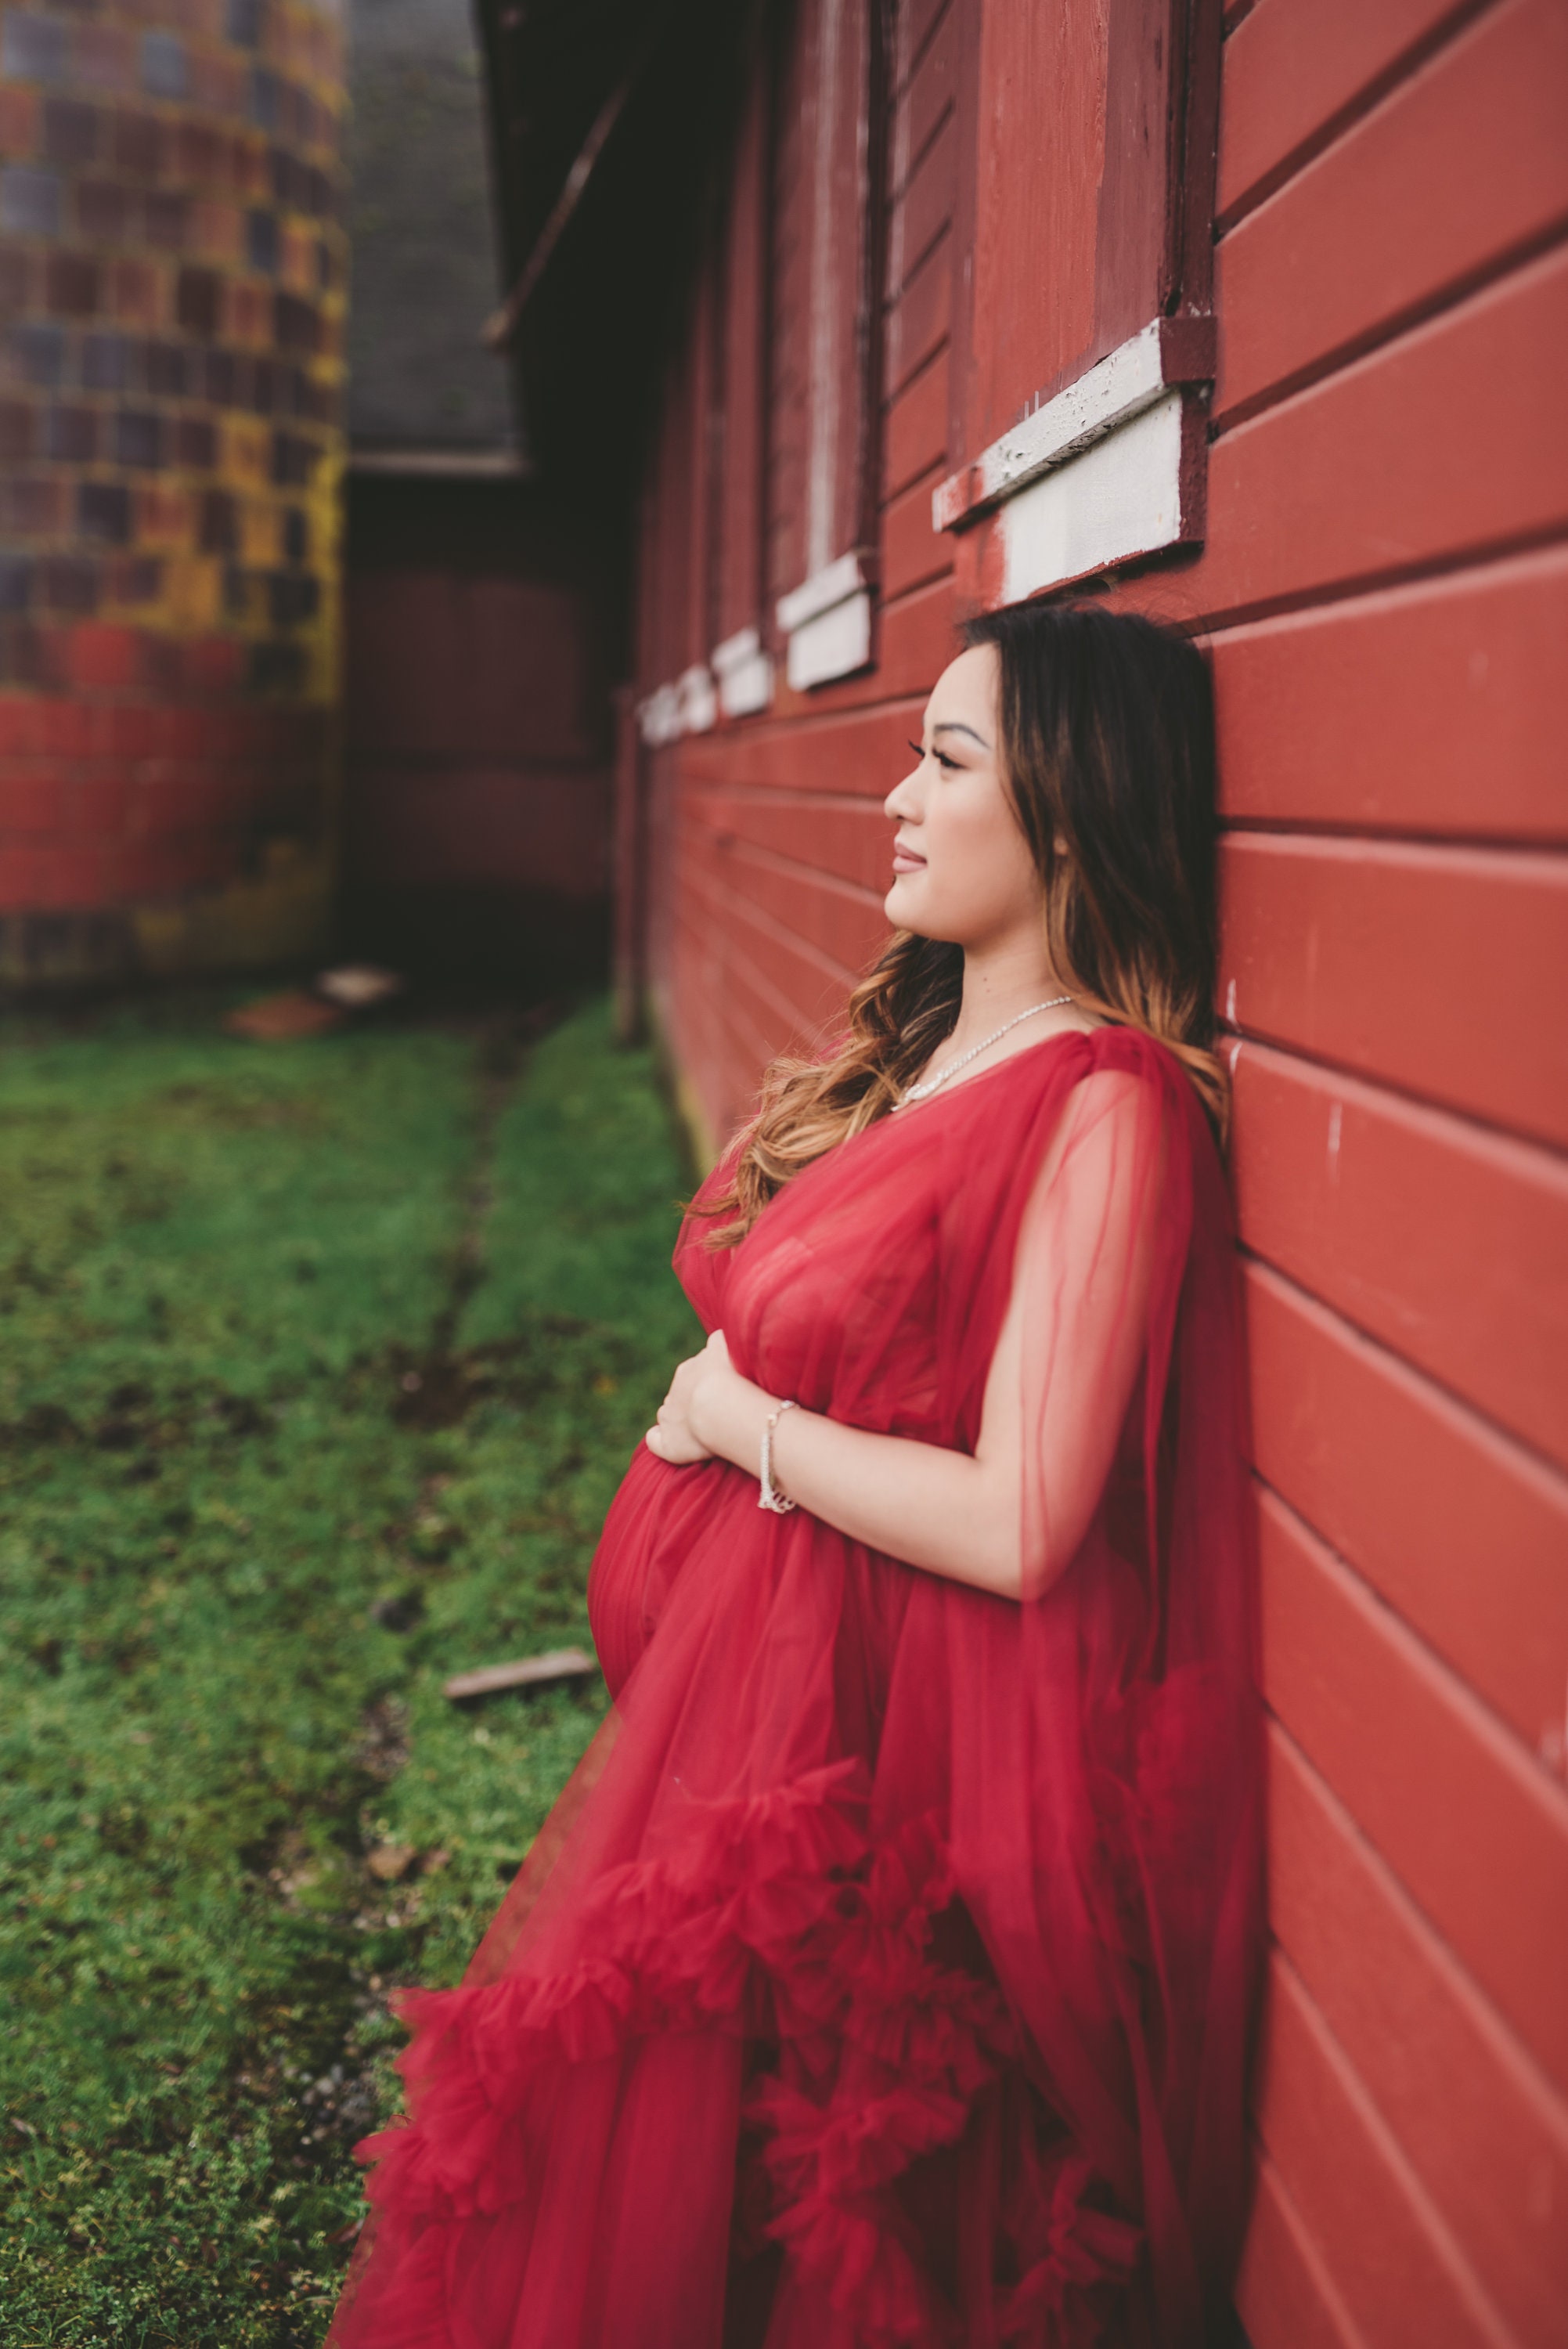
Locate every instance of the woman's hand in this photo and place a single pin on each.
(687, 1411)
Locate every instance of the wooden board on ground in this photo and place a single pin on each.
(527, 1671)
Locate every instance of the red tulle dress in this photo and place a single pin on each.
(884, 1974)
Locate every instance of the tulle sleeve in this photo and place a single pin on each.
(1101, 1236)
(1107, 1733)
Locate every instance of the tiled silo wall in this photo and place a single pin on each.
(172, 282)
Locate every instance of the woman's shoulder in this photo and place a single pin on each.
(1112, 1082)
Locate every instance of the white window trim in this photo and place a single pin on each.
(659, 715)
(698, 700)
(744, 674)
(827, 621)
(1099, 475)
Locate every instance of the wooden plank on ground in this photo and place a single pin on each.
(525, 1672)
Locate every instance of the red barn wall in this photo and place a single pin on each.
(1383, 589)
(482, 631)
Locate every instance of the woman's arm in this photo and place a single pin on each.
(1080, 1284)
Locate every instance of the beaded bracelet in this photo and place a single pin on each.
(769, 1497)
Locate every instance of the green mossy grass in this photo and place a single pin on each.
(319, 1364)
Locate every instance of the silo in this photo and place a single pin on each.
(173, 289)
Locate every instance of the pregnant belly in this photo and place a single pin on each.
(660, 1519)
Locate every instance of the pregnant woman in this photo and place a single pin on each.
(885, 1973)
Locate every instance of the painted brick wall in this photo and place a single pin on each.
(1384, 591)
(172, 279)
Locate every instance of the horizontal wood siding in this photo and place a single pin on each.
(1383, 593)
(776, 890)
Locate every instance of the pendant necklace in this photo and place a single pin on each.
(933, 1084)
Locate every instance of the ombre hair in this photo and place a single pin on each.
(1108, 757)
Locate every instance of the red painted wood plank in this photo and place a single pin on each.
(914, 553)
(851, 839)
(1446, 1242)
(1295, 67)
(919, 321)
(1461, 1531)
(915, 435)
(833, 917)
(924, 209)
(1381, 2243)
(1356, 479)
(731, 1027)
(859, 750)
(1350, 950)
(1473, 2115)
(1439, 709)
(1383, 224)
(1284, 2295)
(744, 1018)
(914, 25)
(928, 95)
(1474, 1830)
(812, 982)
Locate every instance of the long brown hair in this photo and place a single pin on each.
(1108, 747)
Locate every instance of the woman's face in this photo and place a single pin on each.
(962, 868)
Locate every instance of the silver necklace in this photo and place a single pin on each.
(931, 1084)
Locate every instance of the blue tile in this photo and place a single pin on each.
(38, 353)
(261, 240)
(16, 583)
(105, 363)
(29, 200)
(137, 438)
(165, 70)
(263, 98)
(32, 49)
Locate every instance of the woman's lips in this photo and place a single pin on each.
(905, 861)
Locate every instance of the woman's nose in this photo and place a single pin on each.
(900, 802)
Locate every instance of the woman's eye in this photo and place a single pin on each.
(950, 766)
